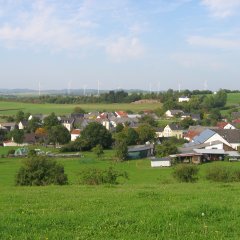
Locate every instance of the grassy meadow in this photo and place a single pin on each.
(149, 205)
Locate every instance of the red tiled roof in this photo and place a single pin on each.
(76, 131)
(221, 124)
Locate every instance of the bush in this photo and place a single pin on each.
(93, 176)
(186, 173)
(223, 174)
(40, 171)
(11, 152)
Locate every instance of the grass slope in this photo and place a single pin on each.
(150, 205)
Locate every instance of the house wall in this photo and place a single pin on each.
(229, 126)
(74, 137)
(215, 146)
(217, 137)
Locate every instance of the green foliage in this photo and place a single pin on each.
(146, 133)
(58, 134)
(79, 110)
(223, 174)
(40, 171)
(94, 176)
(121, 149)
(165, 149)
(51, 121)
(17, 135)
(10, 152)
(148, 119)
(119, 127)
(95, 133)
(186, 122)
(19, 116)
(33, 124)
(98, 150)
(186, 173)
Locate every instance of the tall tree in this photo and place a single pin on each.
(95, 133)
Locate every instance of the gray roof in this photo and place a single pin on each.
(230, 135)
(191, 147)
(137, 148)
(210, 151)
(175, 126)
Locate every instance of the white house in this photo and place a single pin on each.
(183, 99)
(75, 134)
(173, 113)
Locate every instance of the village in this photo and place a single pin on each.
(173, 143)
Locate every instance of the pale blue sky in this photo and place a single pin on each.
(145, 44)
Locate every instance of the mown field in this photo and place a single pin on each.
(11, 108)
(233, 99)
(150, 205)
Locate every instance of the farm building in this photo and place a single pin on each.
(140, 151)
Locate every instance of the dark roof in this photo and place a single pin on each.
(175, 126)
(137, 148)
(230, 135)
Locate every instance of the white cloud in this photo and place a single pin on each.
(222, 8)
(125, 47)
(214, 42)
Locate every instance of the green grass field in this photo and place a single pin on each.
(11, 108)
(150, 205)
(233, 99)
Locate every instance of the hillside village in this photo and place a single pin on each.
(181, 136)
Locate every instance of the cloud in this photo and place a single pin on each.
(214, 42)
(125, 47)
(222, 8)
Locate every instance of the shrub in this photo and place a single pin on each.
(93, 176)
(186, 173)
(40, 171)
(11, 152)
(223, 174)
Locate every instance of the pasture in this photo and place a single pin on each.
(150, 205)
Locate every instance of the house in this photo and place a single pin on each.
(120, 114)
(75, 134)
(159, 132)
(173, 113)
(161, 162)
(183, 99)
(29, 138)
(225, 125)
(22, 124)
(193, 116)
(230, 137)
(38, 116)
(67, 123)
(8, 126)
(173, 130)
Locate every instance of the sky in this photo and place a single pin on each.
(120, 44)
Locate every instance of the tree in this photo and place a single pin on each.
(146, 133)
(165, 149)
(51, 121)
(131, 136)
(121, 149)
(33, 124)
(186, 122)
(19, 116)
(41, 134)
(95, 133)
(98, 150)
(148, 119)
(79, 110)
(17, 135)
(59, 135)
(119, 127)
(40, 171)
